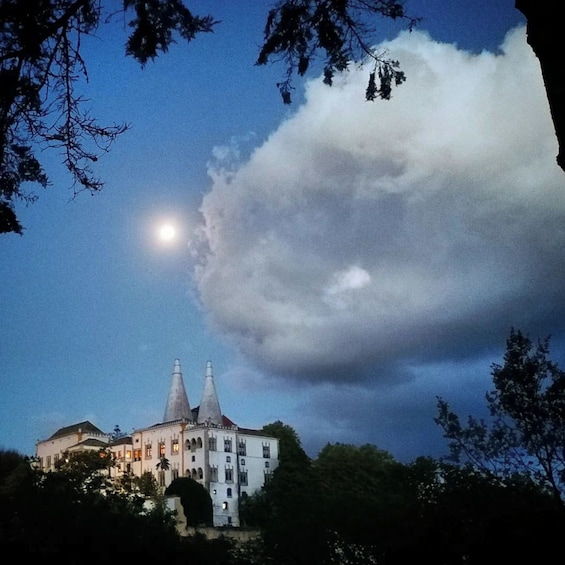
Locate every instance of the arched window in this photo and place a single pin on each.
(200, 473)
(194, 475)
(193, 444)
(199, 442)
(187, 445)
(229, 493)
(225, 505)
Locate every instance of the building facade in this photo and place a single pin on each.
(229, 461)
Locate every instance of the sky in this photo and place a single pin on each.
(342, 263)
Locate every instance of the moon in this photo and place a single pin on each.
(167, 232)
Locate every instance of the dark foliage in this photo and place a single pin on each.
(545, 36)
(340, 32)
(526, 434)
(40, 67)
(195, 500)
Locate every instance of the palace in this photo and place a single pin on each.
(201, 443)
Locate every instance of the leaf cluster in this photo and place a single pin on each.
(337, 31)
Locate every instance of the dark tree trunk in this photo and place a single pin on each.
(546, 37)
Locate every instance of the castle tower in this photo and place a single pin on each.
(177, 402)
(209, 410)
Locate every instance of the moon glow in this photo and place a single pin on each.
(167, 232)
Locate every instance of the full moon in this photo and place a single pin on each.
(167, 232)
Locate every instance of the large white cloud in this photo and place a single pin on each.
(369, 235)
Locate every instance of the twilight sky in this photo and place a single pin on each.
(341, 263)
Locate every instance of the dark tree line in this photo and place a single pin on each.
(499, 496)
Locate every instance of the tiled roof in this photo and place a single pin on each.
(85, 427)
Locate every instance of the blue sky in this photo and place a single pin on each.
(341, 263)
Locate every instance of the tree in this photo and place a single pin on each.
(77, 512)
(41, 64)
(526, 433)
(195, 500)
(545, 37)
(470, 518)
(287, 510)
(370, 502)
(297, 30)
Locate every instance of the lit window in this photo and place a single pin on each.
(162, 449)
(174, 446)
(224, 505)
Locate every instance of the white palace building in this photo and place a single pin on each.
(201, 443)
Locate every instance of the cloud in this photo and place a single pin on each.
(361, 239)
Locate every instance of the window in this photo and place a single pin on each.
(267, 465)
(229, 475)
(225, 505)
(128, 454)
(187, 445)
(229, 493)
(243, 461)
(214, 474)
(137, 454)
(148, 451)
(228, 459)
(175, 474)
(48, 463)
(268, 476)
(199, 442)
(162, 449)
(266, 451)
(241, 448)
(200, 473)
(227, 444)
(193, 458)
(193, 444)
(212, 444)
(174, 446)
(243, 478)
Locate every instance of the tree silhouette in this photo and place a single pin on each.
(526, 434)
(545, 36)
